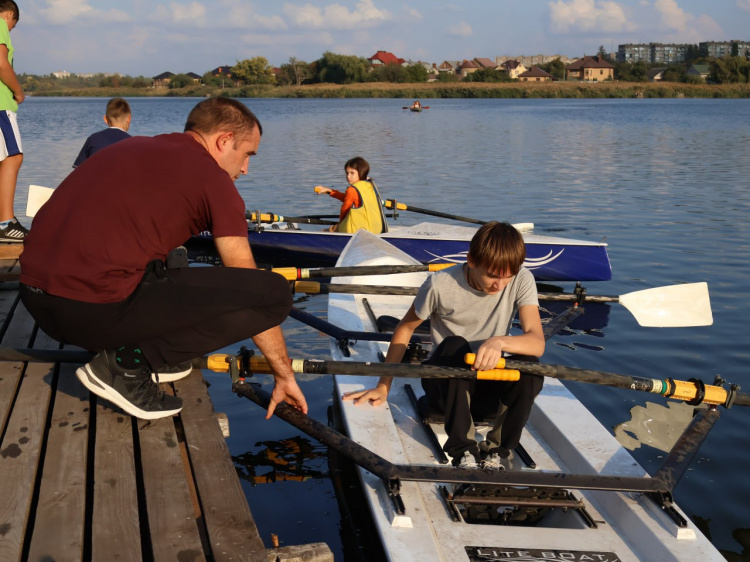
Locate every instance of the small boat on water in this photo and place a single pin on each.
(439, 521)
(549, 258)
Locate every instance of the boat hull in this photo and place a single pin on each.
(548, 258)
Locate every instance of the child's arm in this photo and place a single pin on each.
(531, 342)
(8, 75)
(396, 350)
(328, 191)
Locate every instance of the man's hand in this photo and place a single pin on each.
(490, 353)
(19, 96)
(375, 396)
(286, 390)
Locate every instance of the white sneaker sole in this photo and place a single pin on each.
(171, 377)
(95, 385)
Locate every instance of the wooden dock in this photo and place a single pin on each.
(81, 480)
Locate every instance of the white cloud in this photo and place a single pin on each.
(461, 29)
(239, 13)
(336, 16)
(192, 13)
(417, 15)
(685, 26)
(70, 11)
(588, 15)
(744, 4)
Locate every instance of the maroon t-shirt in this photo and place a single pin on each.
(130, 204)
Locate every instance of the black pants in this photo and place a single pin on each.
(173, 315)
(460, 399)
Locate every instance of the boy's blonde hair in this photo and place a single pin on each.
(497, 247)
(117, 109)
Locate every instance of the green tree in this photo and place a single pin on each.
(254, 71)
(487, 75)
(728, 70)
(555, 67)
(417, 73)
(390, 73)
(294, 72)
(180, 81)
(341, 69)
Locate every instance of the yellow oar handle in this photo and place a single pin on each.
(469, 359)
(399, 206)
(318, 190)
(219, 363)
(289, 273)
(266, 217)
(686, 390)
(499, 375)
(307, 287)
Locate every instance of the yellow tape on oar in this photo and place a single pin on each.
(499, 375)
(469, 359)
(689, 390)
(399, 206)
(219, 363)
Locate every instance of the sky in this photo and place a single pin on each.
(148, 37)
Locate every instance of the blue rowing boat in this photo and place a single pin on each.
(549, 258)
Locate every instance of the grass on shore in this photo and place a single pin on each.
(435, 90)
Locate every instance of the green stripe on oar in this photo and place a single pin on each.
(673, 306)
(294, 273)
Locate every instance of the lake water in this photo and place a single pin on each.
(665, 182)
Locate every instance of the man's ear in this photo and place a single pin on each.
(106, 121)
(224, 141)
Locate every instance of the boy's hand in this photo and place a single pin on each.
(19, 97)
(375, 396)
(489, 353)
(321, 189)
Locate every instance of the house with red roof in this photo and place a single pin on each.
(466, 68)
(590, 69)
(484, 62)
(384, 57)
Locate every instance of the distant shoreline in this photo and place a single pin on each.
(434, 90)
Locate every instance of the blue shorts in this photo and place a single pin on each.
(10, 138)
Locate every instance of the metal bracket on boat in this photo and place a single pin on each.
(258, 224)
(394, 208)
(343, 345)
(666, 502)
(394, 491)
(731, 392)
(239, 365)
(580, 293)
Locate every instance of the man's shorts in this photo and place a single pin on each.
(10, 138)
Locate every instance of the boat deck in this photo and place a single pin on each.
(81, 480)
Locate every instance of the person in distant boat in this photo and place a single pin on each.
(117, 118)
(11, 151)
(94, 272)
(361, 204)
(416, 105)
(471, 309)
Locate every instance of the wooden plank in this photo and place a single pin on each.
(115, 526)
(174, 530)
(18, 334)
(60, 517)
(232, 532)
(10, 251)
(20, 454)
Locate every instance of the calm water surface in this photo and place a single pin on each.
(664, 182)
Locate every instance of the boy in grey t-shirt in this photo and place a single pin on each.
(471, 309)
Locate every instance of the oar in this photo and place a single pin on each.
(294, 273)
(393, 204)
(673, 306)
(271, 217)
(423, 107)
(695, 391)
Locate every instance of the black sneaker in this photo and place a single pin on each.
(171, 374)
(131, 389)
(14, 232)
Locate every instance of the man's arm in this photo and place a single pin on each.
(531, 342)
(8, 75)
(396, 350)
(235, 251)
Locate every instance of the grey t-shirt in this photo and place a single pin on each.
(456, 309)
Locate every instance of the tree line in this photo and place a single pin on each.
(348, 69)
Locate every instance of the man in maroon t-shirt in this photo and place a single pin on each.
(93, 271)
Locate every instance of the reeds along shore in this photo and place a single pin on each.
(436, 90)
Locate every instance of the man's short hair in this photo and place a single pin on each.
(222, 114)
(360, 164)
(498, 247)
(10, 6)
(117, 108)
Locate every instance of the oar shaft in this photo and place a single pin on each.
(271, 217)
(574, 297)
(390, 204)
(315, 288)
(295, 273)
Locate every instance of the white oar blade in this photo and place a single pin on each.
(675, 306)
(524, 226)
(38, 196)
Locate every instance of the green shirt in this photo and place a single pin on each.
(6, 96)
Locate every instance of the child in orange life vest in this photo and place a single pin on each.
(361, 204)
